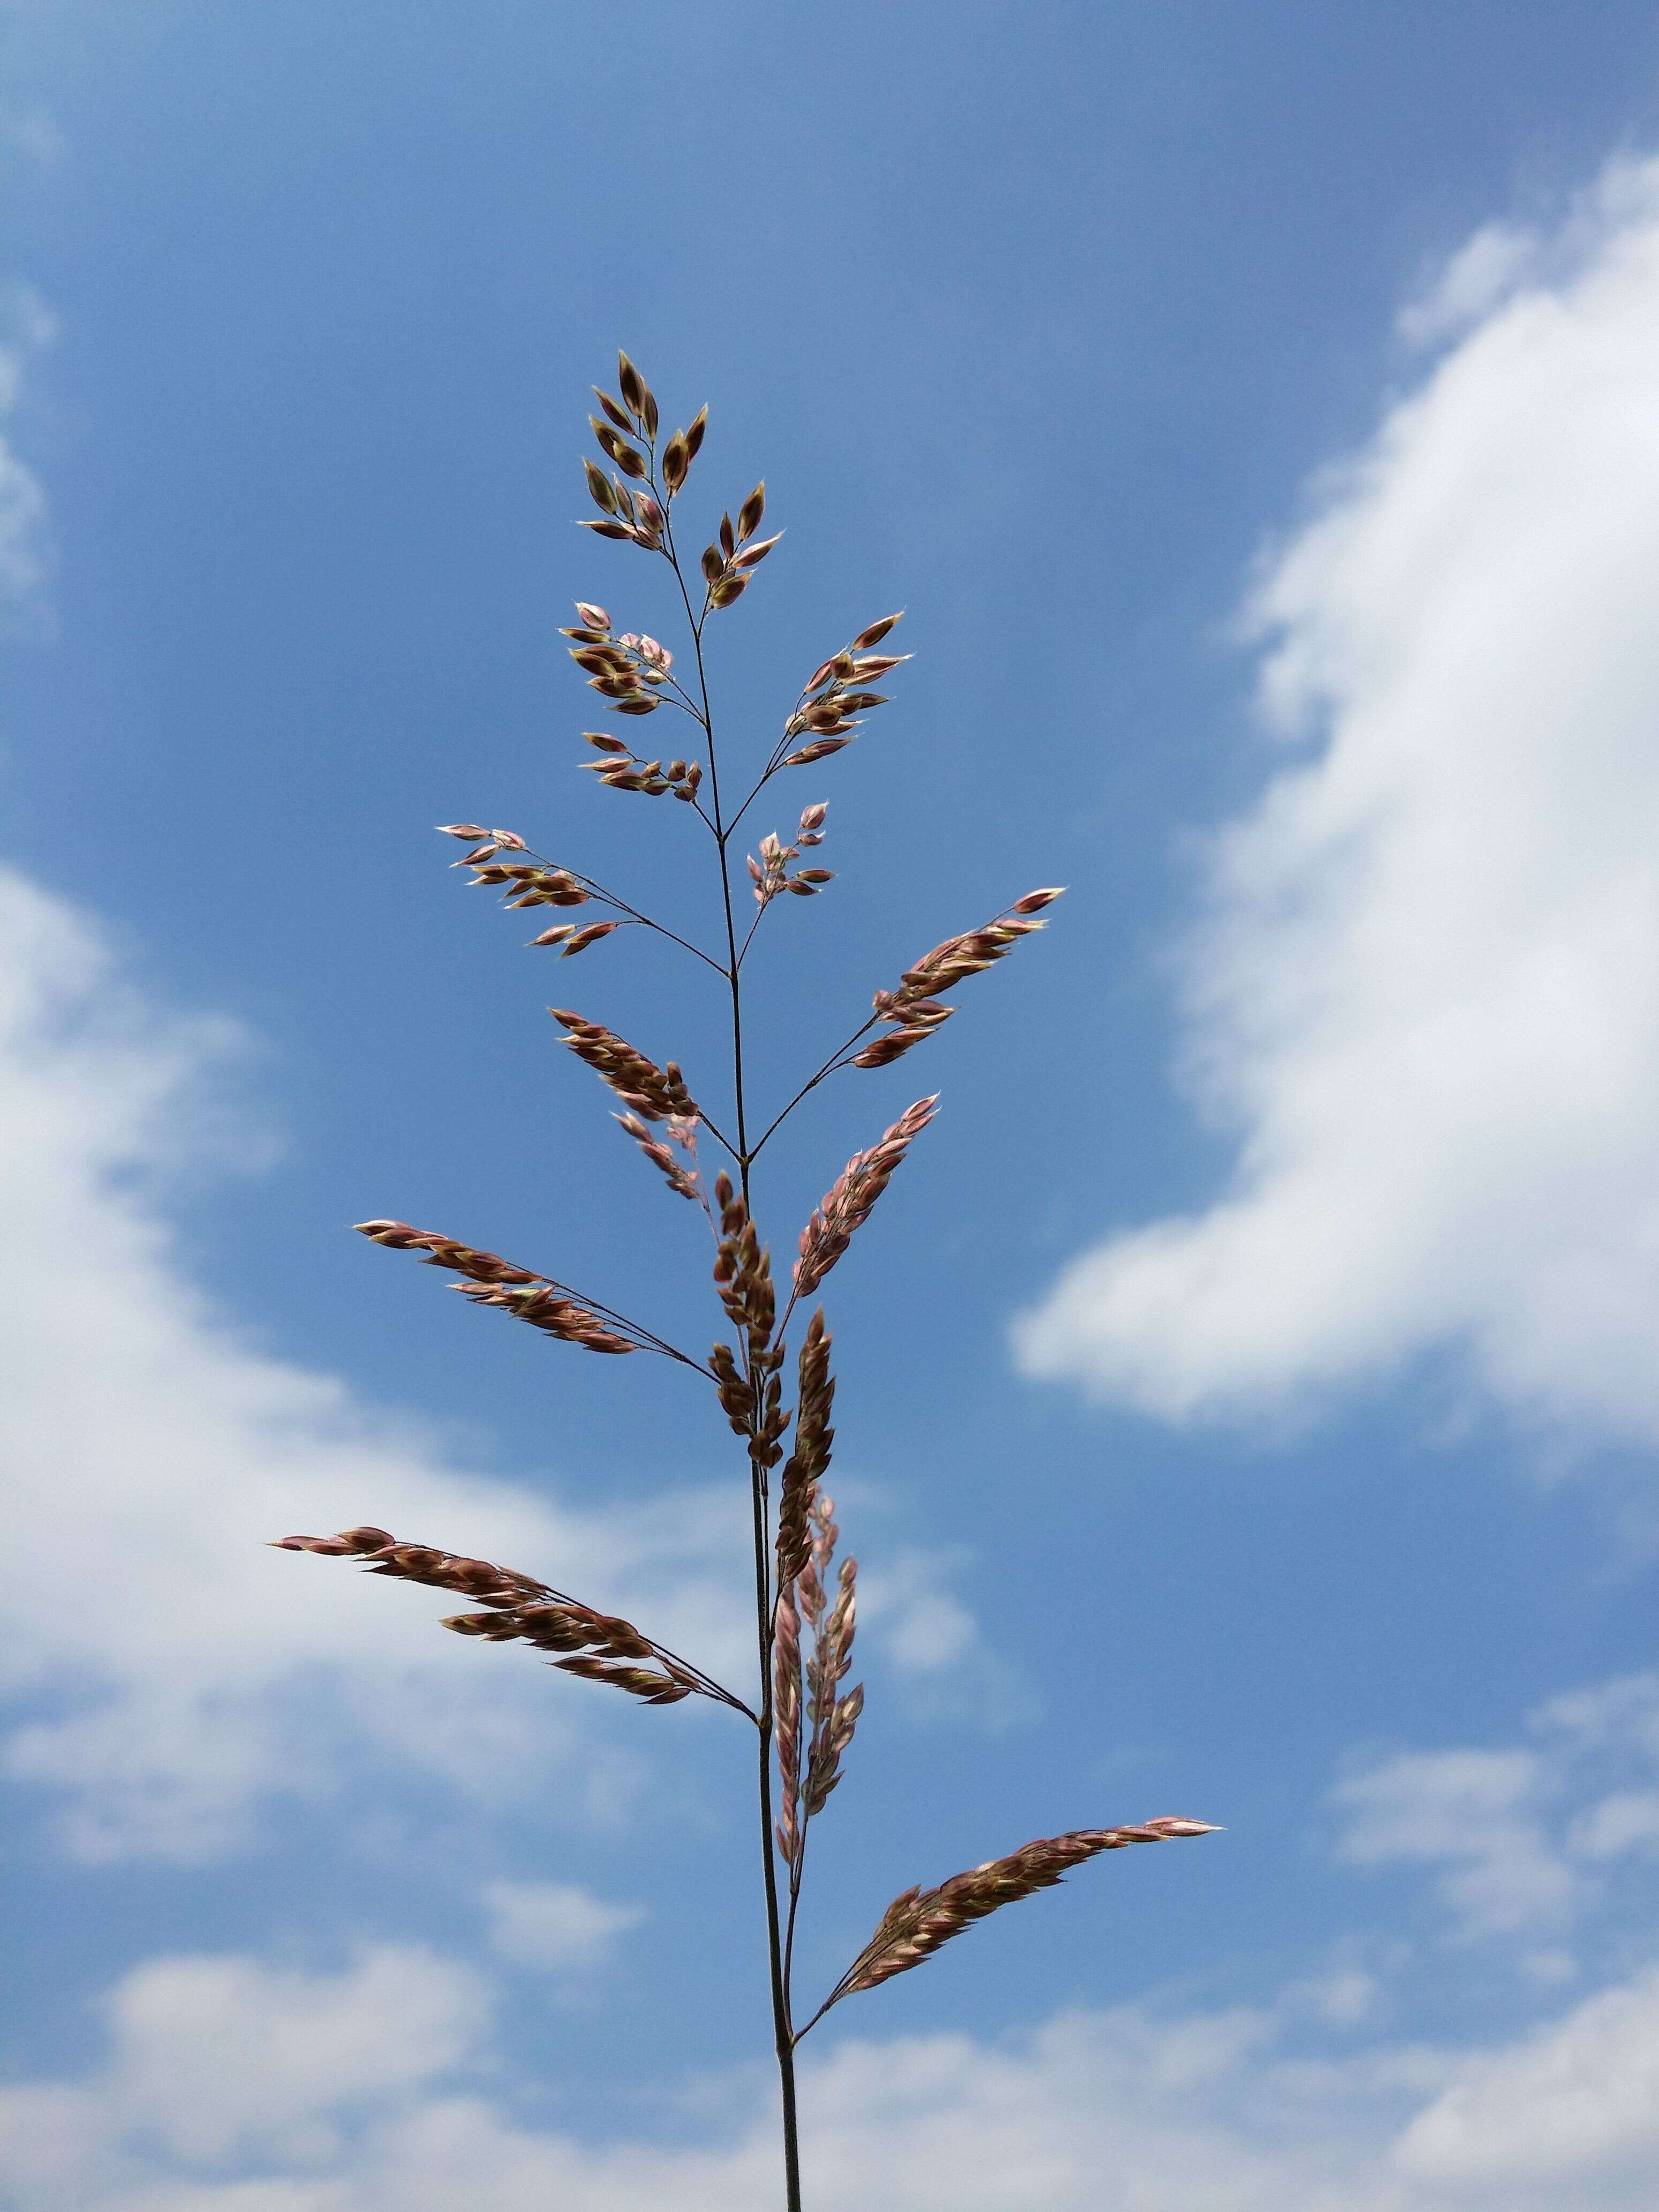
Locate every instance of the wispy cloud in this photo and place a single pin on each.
(554, 1925)
(1425, 994)
(1522, 1835)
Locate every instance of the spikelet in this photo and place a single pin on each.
(787, 1725)
(743, 1276)
(848, 1203)
(915, 1009)
(919, 1921)
(654, 1093)
(808, 1463)
(493, 1281)
(522, 1610)
(683, 1179)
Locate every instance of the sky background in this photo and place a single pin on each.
(1249, 1393)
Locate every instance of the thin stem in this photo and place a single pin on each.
(812, 1082)
(645, 1340)
(709, 1687)
(783, 2036)
(743, 950)
(597, 890)
(714, 1132)
(795, 1874)
(833, 1998)
(774, 764)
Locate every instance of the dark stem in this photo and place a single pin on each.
(782, 2033)
(609, 898)
(783, 2037)
(795, 1874)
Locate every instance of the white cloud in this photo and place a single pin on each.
(216, 2062)
(1576, 2104)
(554, 1925)
(1523, 1835)
(233, 2086)
(1473, 1812)
(1426, 994)
(1480, 274)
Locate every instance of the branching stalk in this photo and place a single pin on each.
(801, 1717)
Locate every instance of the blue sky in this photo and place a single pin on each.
(1247, 1403)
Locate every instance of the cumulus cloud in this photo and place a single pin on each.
(235, 2086)
(1424, 990)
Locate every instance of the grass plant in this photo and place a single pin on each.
(806, 1599)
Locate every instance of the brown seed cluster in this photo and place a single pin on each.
(493, 1281)
(919, 1921)
(655, 1092)
(445, 1252)
(809, 1462)
(813, 1725)
(847, 1205)
(684, 1178)
(831, 707)
(630, 671)
(552, 1312)
(915, 1009)
(786, 1727)
(751, 1394)
(769, 873)
(528, 883)
(728, 566)
(629, 424)
(525, 1611)
(620, 769)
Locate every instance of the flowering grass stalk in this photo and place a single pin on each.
(806, 1603)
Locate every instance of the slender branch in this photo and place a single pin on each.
(597, 890)
(713, 1130)
(774, 761)
(812, 1082)
(709, 1687)
(742, 950)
